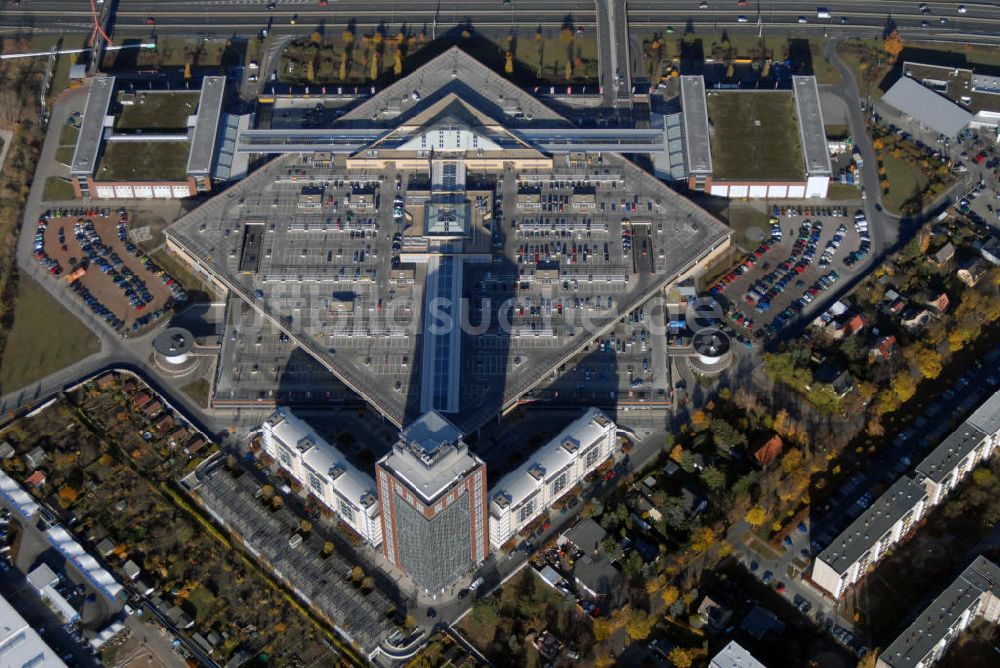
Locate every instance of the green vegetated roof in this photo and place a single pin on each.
(755, 136)
(144, 161)
(158, 110)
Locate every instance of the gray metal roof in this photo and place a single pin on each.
(811, 128)
(88, 143)
(952, 450)
(586, 535)
(872, 524)
(697, 141)
(206, 127)
(924, 105)
(453, 71)
(935, 622)
(987, 417)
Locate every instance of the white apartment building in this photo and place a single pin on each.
(975, 439)
(324, 472)
(975, 593)
(845, 560)
(734, 655)
(868, 537)
(528, 491)
(951, 461)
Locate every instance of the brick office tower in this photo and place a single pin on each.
(432, 492)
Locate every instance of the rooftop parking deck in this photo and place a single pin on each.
(314, 258)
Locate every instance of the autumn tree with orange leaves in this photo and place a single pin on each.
(893, 45)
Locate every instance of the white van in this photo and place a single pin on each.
(822, 13)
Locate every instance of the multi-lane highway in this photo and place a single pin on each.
(246, 17)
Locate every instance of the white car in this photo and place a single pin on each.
(741, 19)
(479, 582)
(961, 9)
(803, 19)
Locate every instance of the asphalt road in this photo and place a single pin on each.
(247, 17)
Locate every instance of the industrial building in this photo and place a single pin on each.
(530, 490)
(973, 595)
(755, 143)
(927, 108)
(324, 472)
(976, 94)
(432, 492)
(154, 144)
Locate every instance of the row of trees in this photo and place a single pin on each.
(19, 83)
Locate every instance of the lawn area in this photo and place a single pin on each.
(755, 136)
(196, 288)
(905, 181)
(57, 189)
(64, 154)
(68, 135)
(547, 57)
(44, 338)
(198, 390)
(748, 224)
(842, 191)
(144, 161)
(161, 110)
(834, 131)
(60, 76)
(179, 51)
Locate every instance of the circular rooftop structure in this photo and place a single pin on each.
(713, 351)
(173, 345)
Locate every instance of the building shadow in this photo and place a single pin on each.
(692, 56)
(800, 57)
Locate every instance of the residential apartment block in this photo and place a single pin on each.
(975, 593)
(432, 492)
(324, 472)
(845, 560)
(525, 493)
(949, 463)
(868, 537)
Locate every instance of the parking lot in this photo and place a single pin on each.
(89, 250)
(805, 252)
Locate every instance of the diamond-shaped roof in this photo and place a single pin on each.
(308, 257)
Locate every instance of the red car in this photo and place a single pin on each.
(742, 3)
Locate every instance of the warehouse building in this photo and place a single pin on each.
(927, 108)
(976, 93)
